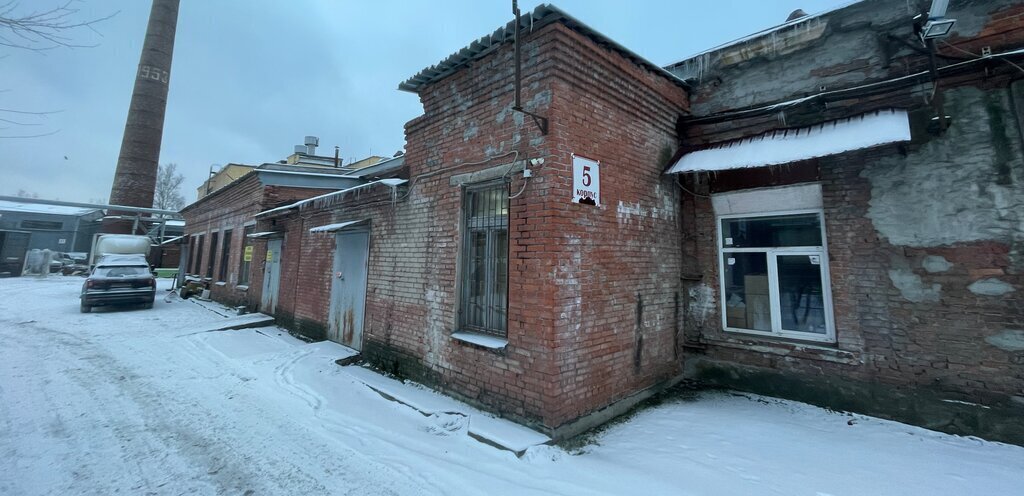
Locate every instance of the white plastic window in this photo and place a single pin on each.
(774, 274)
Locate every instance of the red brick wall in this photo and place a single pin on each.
(232, 207)
(883, 338)
(615, 268)
(592, 291)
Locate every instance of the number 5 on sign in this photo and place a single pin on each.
(586, 180)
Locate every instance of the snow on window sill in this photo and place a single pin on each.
(492, 342)
(242, 288)
(221, 283)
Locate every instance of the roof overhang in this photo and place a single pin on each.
(793, 145)
(341, 226)
(265, 235)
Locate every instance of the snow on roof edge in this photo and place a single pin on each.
(793, 145)
(388, 182)
(329, 228)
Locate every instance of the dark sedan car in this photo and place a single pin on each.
(119, 281)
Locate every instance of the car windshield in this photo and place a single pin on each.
(120, 271)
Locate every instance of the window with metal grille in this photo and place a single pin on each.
(225, 254)
(484, 300)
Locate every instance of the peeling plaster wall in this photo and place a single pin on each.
(959, 176)
(925, 239)
(841, 48)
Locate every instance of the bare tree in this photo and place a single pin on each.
(38, 30)
(45, 29)
(168, 188)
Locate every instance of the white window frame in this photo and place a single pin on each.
(771, 254)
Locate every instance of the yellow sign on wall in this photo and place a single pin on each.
(247, 255)
(270, 256)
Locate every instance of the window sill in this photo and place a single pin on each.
(483, 340)
(242, 288)
(775, 345)
(220, 283)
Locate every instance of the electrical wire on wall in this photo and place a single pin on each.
(978, 57)
(681, 187)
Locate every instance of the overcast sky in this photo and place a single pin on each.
(250, 78)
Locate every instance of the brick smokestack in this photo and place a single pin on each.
(135, 178)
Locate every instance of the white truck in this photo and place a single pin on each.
(118, 244)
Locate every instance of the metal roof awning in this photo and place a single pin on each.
(265, 234)
(341, 226)
(793, 145)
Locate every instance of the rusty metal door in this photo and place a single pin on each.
(271, 277)
(348, 288)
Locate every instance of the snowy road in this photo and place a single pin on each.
(136, 402)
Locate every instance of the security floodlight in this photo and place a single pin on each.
(939, 28)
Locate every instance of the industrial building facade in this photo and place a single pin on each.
(752, 217)
(847, 247)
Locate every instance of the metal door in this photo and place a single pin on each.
(271, 277)
(348, 288)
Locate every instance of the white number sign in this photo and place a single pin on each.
(586, 180)
(154, 73)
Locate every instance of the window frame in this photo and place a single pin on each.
(199, 254)
(225, 255)
(245, 267)
(214, 244)
(490, 266)
(771, 258)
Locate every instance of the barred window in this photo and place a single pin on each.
(484, 304)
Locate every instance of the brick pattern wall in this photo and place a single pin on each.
(593, 291)
(924, 242)
(616, 267)
(882, 337)
(232, 207)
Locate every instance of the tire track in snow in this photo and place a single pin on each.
(170, 425)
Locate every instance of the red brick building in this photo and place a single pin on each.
(493, 284)
(845, 246)
(791, 214)
(219, 227)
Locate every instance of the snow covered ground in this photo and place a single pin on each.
(141, 402)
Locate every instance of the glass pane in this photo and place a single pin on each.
(747, 304)
(776, 231)
(500, 292)
(489, 206)
(476, 279)
(800, 294)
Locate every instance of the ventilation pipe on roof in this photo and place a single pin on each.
(311, 143)
(542, 122)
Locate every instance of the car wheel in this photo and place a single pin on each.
(148, 305)
(85, 308)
